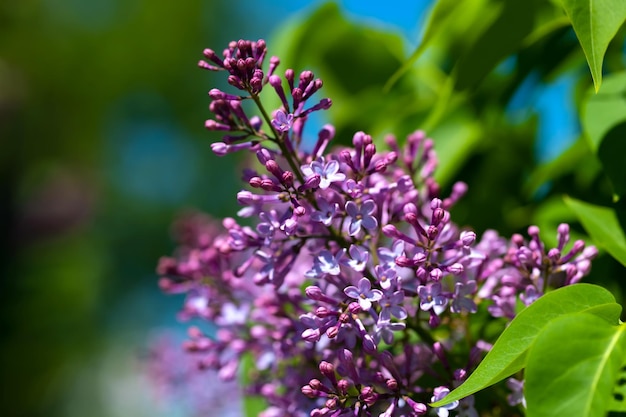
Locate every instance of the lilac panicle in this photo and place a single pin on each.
(347, 278)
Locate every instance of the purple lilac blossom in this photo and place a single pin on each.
(300, 284)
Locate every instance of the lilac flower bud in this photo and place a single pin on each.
(311, 183)
(311, 335)
(213, 125)
(332, 332)
(468, 238)
(369, 396)
(432, 232)
(331, 403)
(460, 374)
(354, 308)
(310, 391)
(328, 370)
(455, 269)
(554, 254)
(436, 274)
(343, 386)
(418, 408)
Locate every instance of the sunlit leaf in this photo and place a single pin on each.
(579, 355)
(602, 225)
(508, 354)
(604, 110)
(595, 22)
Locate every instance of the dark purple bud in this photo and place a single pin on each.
(328, 370)
(432, 232)
(311, 183)
(332, 332)
(287, 178)
(354, 308)
(331, 403)
(369, 396)
(273, 167)
(343, 386)
(392, 384)
(255, 182)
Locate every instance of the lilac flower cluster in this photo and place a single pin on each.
(347, 282)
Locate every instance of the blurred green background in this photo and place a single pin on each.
(101, 126)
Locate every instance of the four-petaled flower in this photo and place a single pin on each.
(361, 216)
(460, 302)
(328, 172)
(432, 298)
(325, 213)
(325, 263)
(283, 121)
(392, 306)
(364, 294)
(438, 394)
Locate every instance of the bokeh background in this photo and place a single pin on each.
(101, 127)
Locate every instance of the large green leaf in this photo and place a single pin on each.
(602, 225)
(508, 354)
(595, 22)
(573, 368)
(604, 110)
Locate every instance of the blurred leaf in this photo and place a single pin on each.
(587, 372)
(508, 354)
(602, 225)
(253, 405)
(612, 153)
(442, 12)
(595, 22)
(562, 164)
(605, 109)
(503, 37)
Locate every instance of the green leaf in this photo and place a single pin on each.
(504, 36)
(595, 22)
(508, 354)
(604, 110)
(612, 153)
(602, 225)
(252, 404)
(445, 15)
(573, 367)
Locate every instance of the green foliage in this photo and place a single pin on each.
(596, 22)
(509, 353)
(603, 226)
(581, 355)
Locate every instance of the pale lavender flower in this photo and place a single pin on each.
(384, 330)
(325, 213)
(328, 172)
(386, 275)
(438, 394)
(364, 294)
(361, 216)
(459, 301)
(392, 306)
(282, 121)
(517, 392)
(387, 257)
(358, 258)
(325, 263)
(432, 298)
